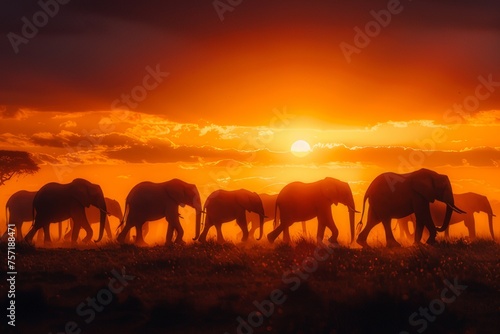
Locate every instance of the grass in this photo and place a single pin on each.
(204, 288)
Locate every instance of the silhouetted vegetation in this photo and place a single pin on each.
(15, 163)
(204, 288)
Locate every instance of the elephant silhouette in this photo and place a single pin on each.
(269, 204)
(148, 201)
(93, 214)
(392, 195)
(19, 210)
(56, 202)
(299, 201)
(224, 206)
(469, 202)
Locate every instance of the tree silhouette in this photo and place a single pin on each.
(15, 163)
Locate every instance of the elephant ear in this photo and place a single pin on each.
(177, 194)
(330, 191)
(244, 199)
(80, 192)
(425, 187)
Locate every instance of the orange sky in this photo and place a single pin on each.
(238, 93)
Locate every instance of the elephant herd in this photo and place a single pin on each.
(406, 197)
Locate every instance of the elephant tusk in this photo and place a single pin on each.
(352, 209)
(106, 212)
(457, 210)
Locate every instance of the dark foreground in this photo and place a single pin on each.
(211, 288)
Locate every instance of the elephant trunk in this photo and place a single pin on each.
(490, 224)
(198, 223)
(487, 209)
(351, 223)
(447, 218)
(101, 205)
(261, 226)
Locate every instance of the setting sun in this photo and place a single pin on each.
(300, 148)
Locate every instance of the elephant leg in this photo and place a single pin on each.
(320, 235)
(139, 239)
(174, 225)
(242, 223)
(276, 232)
(371, 221)
(40, 236)
(286, 235)
(220, 237)
(471, 226)
(88, 229)
(253, 228)
(425, 220)
(107, 228)
(68, 234)
(179, 233)
(46, 234)
(124, 233)
(391, 241)
(326, 219)
(38, 224)
(145, 229)
(170, 234)
(208, 225)
(19, 230)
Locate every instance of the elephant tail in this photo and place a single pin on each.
(360, 224)
(7, 214)
(275, 214)
(125, 216)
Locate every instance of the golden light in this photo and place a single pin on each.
(300, 148)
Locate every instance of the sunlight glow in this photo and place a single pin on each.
(300, 148)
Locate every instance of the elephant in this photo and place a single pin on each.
(56, 202)
(299, 201)
(93, 213)
(148, 201)
(19, 209)
(470, 202)
(224, 206)
(269, 204)
(392, 195)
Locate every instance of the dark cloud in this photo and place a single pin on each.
(11, 111)
(93, 51)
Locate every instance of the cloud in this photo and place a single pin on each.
(484, 118)
(68, 124)
(13, 112)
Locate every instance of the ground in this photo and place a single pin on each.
(452, 287)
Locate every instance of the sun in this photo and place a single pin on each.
(300, 148)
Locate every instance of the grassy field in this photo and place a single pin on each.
(213, 288)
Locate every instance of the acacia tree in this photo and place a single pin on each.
(15, 163)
